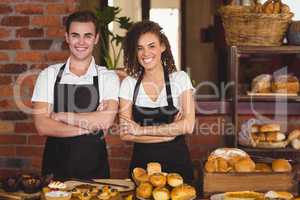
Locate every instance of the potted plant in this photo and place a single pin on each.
(109, 39)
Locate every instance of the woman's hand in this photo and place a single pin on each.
(58, 116)
(129, 127)
(178, 116)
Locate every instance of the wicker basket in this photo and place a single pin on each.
(244, 28)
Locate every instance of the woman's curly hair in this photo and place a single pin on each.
(131, 63)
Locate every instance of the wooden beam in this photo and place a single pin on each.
(146, 5)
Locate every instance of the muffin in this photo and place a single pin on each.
(158, 180)
(139, 175)
(153, 167)
(161, 193)
(174, 179)
(183, 192)
(31, 185)
(11, 184)
(144, 190)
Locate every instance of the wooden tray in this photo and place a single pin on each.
(272, 94)
(125, 185)
(20, 195)
(256, 181)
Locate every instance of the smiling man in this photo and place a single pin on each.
(74, 103)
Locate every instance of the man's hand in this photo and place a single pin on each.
(102, 106)
(56, 116)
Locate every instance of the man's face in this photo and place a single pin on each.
(81, 39)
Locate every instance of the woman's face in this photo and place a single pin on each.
(149, 50)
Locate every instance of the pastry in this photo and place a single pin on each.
(261, 83)
(144, 190)
(153, 167)
(161, 193)
(183, 192)
(285, 84)
(244, 165)
(174, 179)
(262, 167)
(158, 180)
(281, 165)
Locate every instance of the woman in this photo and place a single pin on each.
(156, 102)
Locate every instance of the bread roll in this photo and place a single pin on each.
(183, 192)
(174, 179)
(144, 190)
(281, 165)
(270, 128)
(139, 175)
(243, 195)
(158, 180)
(234, 159)
(285, 84)
(262, 167)
(217, 165)
(254, 128)
(278, 195)
(227, 153)
(295, 143)
(258, 137)
(275, 137)
(294, 138)
(161, 193)
(244, 165)
(295, 134)
(261, 83)
(153, 167)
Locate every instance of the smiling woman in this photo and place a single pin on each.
(156, 102)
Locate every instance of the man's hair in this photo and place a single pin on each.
(82, 16)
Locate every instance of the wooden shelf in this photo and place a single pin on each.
(247, 98)
(286, 149)
(285, 49)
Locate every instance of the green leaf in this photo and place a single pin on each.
(118, 39)
(124, 22)
(107, 15)
(108, 62)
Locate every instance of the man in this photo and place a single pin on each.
(73, 103)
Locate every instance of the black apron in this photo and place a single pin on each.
(84, 156)
(173, 155)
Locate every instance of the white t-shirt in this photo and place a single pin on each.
(179, 82)
(44, 87)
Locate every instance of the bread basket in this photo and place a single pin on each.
(246, 28)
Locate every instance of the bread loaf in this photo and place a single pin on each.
(285, 84)
(261, 83)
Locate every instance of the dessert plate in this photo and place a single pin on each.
(122, 185)
(219, 196)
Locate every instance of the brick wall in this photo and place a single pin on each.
(31, 37)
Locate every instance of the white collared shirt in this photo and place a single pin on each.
(44, 87)
(179, 82)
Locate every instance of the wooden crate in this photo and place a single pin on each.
(19, 195)
(260, 182)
